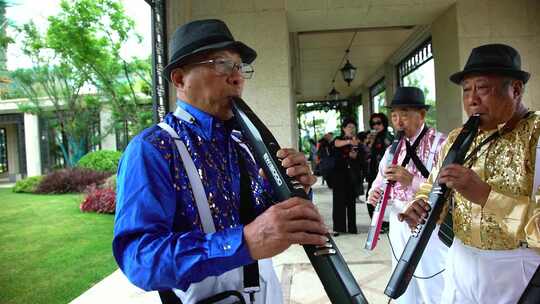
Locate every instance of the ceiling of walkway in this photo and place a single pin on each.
(325, 29)
(321, 56)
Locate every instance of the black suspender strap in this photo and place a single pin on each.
(493, 136)
(411, 153)
(168, 297)
(416, 160)
(247, 215)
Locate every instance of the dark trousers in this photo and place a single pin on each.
(344, 210)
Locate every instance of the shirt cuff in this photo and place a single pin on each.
(232, 244)
(423, 191)
(532, 230)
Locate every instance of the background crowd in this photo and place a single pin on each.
(348, 164)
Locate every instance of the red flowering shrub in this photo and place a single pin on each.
(99, 200)
(70, 180)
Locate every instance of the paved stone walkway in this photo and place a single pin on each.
(300, 283)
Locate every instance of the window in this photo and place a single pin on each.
(414, 60)
(3, 151)
(377, 95)
(417, 70)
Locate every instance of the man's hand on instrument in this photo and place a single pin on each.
(375, 196)
(398, 174)
(415, 213)
(294, 221)
(297, 166)
(466, 182)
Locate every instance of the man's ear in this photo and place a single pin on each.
(423, 113)
(517, 88)
(177, 78)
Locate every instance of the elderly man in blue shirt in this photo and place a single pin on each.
(179, 223)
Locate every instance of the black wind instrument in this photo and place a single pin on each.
(380, 208)
(437, 198)
(336, 277)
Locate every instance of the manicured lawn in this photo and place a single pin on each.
(50, 252)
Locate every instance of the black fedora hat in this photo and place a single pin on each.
(493, 58)
(203, 35)
(409, 97)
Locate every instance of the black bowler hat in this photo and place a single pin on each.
(203, 35)
(493, 58)
(409, 97)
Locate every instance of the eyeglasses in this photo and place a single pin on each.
(374, 123)
(227, 67)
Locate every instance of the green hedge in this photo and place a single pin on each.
(27, 185)
(103, 160)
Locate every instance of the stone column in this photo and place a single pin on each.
(33, 149)
(468, 24)
(108, 142)
(446, 62)
(264, 27)
(390, 81)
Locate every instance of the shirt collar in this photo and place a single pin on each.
(206, 122)
(202, 119)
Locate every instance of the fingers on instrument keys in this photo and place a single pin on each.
(415, 214)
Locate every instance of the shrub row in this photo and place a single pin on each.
(99, 187)
(27, 185)
(70, 180)
(103, 160)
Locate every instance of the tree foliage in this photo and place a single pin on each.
(51, 76)
(5, 40)
(89, 35)
(416, 79)
(81, 51)
(4, 23)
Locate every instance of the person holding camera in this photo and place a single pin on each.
(347, 178)
(378, 139)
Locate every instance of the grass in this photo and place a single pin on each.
(50, 252)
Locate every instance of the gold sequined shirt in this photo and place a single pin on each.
(510, 216)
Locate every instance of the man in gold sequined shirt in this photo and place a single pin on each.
(495, 219)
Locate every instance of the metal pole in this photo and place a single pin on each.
(160, 85)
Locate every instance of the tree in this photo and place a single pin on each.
(81, 49)
(5, 40)
(89, 34)
(50, 76)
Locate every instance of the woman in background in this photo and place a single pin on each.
(381, 138)
(348, 179)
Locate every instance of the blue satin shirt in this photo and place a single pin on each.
(158, 240)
